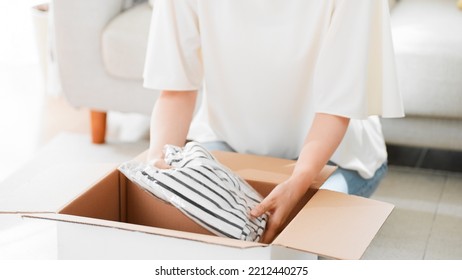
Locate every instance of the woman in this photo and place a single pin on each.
(293, 79)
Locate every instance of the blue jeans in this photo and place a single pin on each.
(349, 181)
(342, 180)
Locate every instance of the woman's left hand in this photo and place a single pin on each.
(278, 204)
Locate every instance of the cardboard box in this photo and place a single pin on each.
(112, 218)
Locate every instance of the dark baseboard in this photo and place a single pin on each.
(425, 158)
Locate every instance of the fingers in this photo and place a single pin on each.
(160, 163)
(259, 210)
(272, 228)
(270, 232)
(277, 210)
(268, 204)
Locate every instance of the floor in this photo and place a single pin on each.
(427, 220)
(425, 224)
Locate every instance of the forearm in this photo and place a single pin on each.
(170, 120)
(324, 137)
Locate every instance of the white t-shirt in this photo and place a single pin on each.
(267, 66)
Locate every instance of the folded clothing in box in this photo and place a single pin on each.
(203, 189)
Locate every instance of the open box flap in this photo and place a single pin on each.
(236, 161)
(335, 225)
(49, 190)
(271, 170)
(253, 175)
(145, 229)
(275, 178)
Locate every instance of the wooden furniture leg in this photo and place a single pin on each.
(98, 126)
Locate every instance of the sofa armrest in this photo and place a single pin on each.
(77, 27)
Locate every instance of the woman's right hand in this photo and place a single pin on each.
(171, 117)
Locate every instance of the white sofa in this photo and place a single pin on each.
(427, 36)
(101, 45)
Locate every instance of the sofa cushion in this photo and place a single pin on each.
(445, 134)
(427, 37)
(124, 42)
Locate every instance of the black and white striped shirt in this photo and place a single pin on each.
(203, 189)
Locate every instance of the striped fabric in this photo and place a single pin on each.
(203, 189)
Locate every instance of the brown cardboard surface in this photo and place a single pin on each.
(102, 201)
(267, 170)
(335, 225)
(235, 161)
(145, 209)
(262, 181)
(115, 198)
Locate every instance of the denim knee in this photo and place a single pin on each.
(349, 181)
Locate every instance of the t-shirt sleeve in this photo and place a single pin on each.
(173, 59)
(355, 73)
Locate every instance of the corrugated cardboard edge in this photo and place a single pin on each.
(339, 228)
(216, 240)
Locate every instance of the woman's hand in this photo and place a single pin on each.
(160, 163)
(278, 204)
